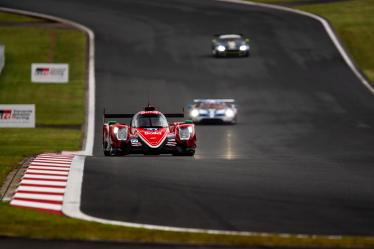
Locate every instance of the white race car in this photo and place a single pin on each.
(214, 111)
(230, 45)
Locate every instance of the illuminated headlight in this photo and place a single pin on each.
(229, 113)
(194, 113)
(243, 47)
(120, 133)
(221, 48)
(184, 133)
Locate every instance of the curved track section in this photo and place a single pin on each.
(299, 161)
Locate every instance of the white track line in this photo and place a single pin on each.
(32, 204)
(52, 161)
(46, 177)
(43, 197)
(53, 158)
(46, 183)
(41, 189)
(47, 172)
(60, 169)
(50, 165)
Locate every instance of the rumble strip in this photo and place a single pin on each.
(43, 185)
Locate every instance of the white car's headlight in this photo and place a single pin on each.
(120, 133)
(194, 113)
(184, 133)
(243, 47)
(229, 113)
(221, 48)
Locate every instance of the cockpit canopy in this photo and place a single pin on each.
(154, 120)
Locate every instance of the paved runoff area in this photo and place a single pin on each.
(43, 185)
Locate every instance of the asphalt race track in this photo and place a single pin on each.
(301, 158)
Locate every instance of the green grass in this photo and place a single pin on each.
(32, 224)
(353, 21)
(17, 144)
(56, 104)
(12, 18)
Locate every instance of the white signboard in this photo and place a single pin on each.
(49, 73)
(17, 116)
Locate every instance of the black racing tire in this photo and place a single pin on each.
(105, 148)
(184, 153)
(106, 153)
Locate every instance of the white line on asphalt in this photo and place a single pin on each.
(46, 183)
(39, 197)
(60, 169)
(32, 176)
(54, 157)
(56, 207)
(50, 164)
(47, 172)
(41, 189)
(52, 161)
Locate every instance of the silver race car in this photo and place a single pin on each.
(230, 45)
(214, 111)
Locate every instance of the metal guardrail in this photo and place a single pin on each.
(2, 57)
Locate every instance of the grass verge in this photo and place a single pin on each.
(32, 224)
(353, 21)
(56, 104)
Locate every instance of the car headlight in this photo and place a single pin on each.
(184, 133)
(221, 48)
(121, 133)
(194, 113)
(229, 113)
(243, 47)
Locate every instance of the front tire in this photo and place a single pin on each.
(184, 152)
(106, 147)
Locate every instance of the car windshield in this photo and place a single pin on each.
(150, 120)
(212, 105)
(231, 39)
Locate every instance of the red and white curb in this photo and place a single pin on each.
(43, 185)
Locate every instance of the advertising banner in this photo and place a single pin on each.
(17, 116)
(49, 73)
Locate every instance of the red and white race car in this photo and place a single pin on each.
(148, 133)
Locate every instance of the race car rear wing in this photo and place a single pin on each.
(214, 100)
(130, 115)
